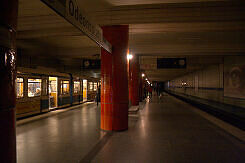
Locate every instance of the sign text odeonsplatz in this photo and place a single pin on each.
(75, 13)
(70, 10)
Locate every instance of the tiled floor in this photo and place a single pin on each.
(163, 131)
(65, 137)
(168, 131)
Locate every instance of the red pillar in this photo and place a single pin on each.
(130, 82)
(128, 72)
(8, 23)
(134, 73)
(140, 88)
(114, 80)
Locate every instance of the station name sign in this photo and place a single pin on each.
(70, 10)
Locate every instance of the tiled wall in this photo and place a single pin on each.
(208, 83)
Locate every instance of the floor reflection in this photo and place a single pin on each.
(65, 137)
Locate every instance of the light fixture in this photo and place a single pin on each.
(129, 56)
(143, 75)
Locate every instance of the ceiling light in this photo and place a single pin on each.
(129, 56)
(143, 75)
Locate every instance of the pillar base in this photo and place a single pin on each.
(7, 140)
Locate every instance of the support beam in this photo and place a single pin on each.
(114, 81)
(172, 13)
(49, 32)
(8, 24)
(134, 80)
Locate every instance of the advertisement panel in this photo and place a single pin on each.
(234, 76)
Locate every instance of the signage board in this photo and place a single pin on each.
(234, 76)
(91, 64)
(171, 63)
(72, 12)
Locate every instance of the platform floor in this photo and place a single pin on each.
(162, 131)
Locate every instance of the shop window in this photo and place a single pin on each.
(34, 87)
(90, 86)
(19, 87)
(95, 86)
(76, 87)
(65, 87)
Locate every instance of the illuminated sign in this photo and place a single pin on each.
(70, 10)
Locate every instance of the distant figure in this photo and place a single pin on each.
(38, 92)
(160, 97)
(150, 92)
(98, 96)
(145, 93)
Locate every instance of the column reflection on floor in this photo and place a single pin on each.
(169, 131)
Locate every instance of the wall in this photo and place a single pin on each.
(224, 83)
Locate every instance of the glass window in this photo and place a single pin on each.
(95, 86)
(76, 86)
(65, 87)
(19, 87)
(85, 85)
(34, 87)
(52, 86)
(90, 86)
(85, 90)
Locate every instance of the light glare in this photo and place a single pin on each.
(129, 56)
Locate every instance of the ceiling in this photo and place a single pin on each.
(197, 29)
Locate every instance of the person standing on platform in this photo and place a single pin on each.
(150, 92)
(98, 96)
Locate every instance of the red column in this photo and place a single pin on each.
(8, 23)
(114, 80)
(134, 70)
(130, 82)
(128, 72)
(140, 88)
